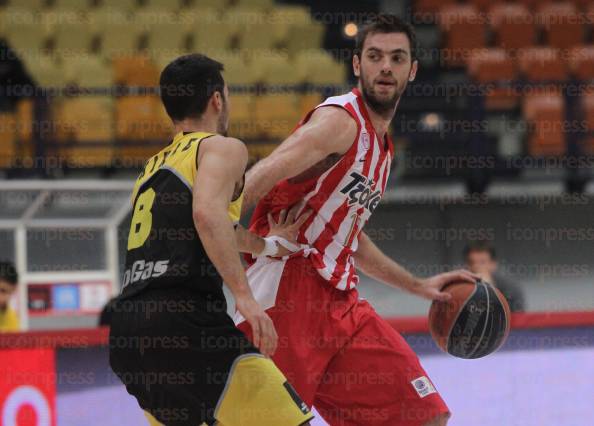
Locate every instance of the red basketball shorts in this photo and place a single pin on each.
(338, 353)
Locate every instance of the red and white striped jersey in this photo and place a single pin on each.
(342, 198)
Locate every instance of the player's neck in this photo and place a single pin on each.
(381, 123)
(196, 125)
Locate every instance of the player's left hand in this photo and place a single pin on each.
(430, 288)
(287, 227)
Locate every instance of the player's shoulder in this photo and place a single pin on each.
(333, 120)
(231, 148)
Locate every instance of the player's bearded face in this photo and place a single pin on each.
(385, 67)
(381, 92)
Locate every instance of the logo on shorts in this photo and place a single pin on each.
(423, 386)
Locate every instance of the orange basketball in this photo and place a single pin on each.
(473, 323)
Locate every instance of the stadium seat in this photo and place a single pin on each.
(171, 5)
(105, 20)
(561, 24)
(73, 38)
(425, 10)
(141, 118)
(258, 151)
(7, 139)
(242, 123)
(305, 36)
(24, 121)
(46, 70)
(85, 120)
(27, 38)
(212, 4)
(33, 5)
(513, 26)
(276, 115)
(123, 5)
(275, 69)
(308, 102)
(137, 70)
(89, 71)
(541, 64)
(464, 32)
(581, 62)
(482, 5)
(489, 67)
(207, 30)
(167, 36)
(545, 114)
(319, 67)
(255, 4)
(237, 71)
(81, 5)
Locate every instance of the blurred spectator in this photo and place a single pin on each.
(480, 258)
(9, 321)
(15, 81)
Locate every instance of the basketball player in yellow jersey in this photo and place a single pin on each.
(172, 343)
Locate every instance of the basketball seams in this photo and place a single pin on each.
(486, 321)
(455, 320)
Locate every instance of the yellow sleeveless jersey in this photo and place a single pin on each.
(163, 245)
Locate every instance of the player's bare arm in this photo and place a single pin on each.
(329, 131)
(374, 263)
(221, 165)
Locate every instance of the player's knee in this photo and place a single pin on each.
(440, 420)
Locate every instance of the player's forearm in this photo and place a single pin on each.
(374, 263)
(248, 242)
(218, 238)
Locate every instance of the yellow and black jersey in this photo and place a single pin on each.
(163, 244)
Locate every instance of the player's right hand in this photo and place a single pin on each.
(265, 337)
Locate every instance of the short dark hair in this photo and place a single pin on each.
(187, 83)
(480, 246)
(8, 273)
(385, 23)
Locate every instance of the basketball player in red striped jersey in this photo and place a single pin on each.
(340, 355)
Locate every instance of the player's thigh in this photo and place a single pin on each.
(258, 394)
(377, 380)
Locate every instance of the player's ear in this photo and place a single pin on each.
(413, 70)
(217, 100)
(356, 65)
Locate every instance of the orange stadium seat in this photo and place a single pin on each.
(308, 102)
(7, 139)
(513, 25)
(242, 124)
(542, 64)
(561, 24)
(81, 121)
(482, 5)
(490, 66)
(428, 9)
(581, 62)
(140, 119)
(276, 115)
(464, 30)
(137, 70)
(545, 114)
